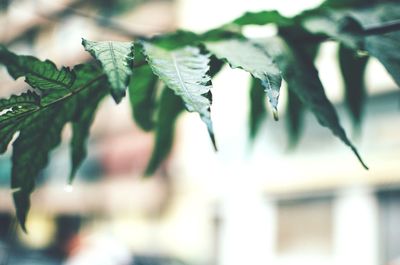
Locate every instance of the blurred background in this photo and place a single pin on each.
(250, 203)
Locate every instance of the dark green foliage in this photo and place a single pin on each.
(181, 60)
(352, 68)
(342, 25)
(142, 95)
(302, 77)
(295, 115)
(142, 92)
(169, 108)
(40, 122)
(258, 111)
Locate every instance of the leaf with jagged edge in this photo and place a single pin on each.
(185, 72)
(18, 104)
(142, 93)
(40, 132)
(302, 77)
(248, 56)
(170, 106)
(40, 122)
(41, 75)
(353, 69)
(116, 57)
(258, 111)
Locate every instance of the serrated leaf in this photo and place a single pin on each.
(302, 77)
(170, 107)
(40, 125)
(116, 58)
(41, 75)
(353, 68)
(262, 18)
(13, 107)
(185, 72)
(26, 100)
(258, 112)
(247, 56)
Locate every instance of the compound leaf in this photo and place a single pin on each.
(40, 122)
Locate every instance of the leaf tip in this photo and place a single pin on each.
(359, 158)
(275, 114)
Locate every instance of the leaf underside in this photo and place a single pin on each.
(116, 58)
(185, 72)
(247, 56)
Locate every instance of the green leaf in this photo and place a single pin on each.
(142, 93)
(13, 107)
(302, 78)
(40, 122)
(342, 26)
(344, 29)
(353, 68)
(41, 75)
(249, 57)
(24, 101)
(384, 47)
(294, 122)
(185, 72)
(262, 18)
(169, 108)
(87, 102)
(116, 58)
(258, 112)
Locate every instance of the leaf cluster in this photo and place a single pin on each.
(181, 65)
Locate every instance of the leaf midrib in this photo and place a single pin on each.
(181, 81)
(114, 61)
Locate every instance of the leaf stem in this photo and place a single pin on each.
(383, 28)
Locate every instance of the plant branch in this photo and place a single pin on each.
(383, 28)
